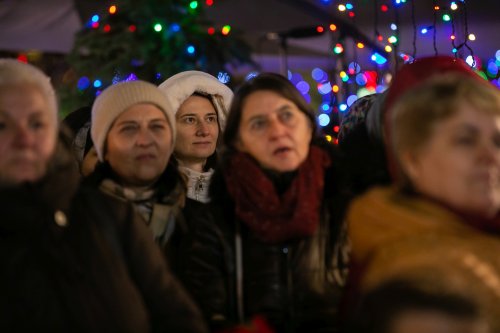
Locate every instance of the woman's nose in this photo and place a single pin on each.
(144, 137)
(202, 129)
(490, 153)
(24, 137)
(276, 128)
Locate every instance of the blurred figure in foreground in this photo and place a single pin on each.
(439, 223)
(72, 258)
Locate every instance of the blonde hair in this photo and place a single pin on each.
(416, 115)
(13, 72)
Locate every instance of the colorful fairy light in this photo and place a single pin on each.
(175, 27)
(323, 119)
(225, 30)
(193, 4)
(158, 27)
(338, 97)
(338, 49)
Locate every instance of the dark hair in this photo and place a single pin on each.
(264, 81)
(380, 307)
(79, 122)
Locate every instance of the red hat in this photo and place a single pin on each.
(411, 76)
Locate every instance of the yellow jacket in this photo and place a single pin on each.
(408, 237)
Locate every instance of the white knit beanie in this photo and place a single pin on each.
(116, 99)
(181, 86)
(14, 72)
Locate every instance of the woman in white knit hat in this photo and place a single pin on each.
(73, 259)
(200, 103)
(133, 130)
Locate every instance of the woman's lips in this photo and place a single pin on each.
(281, 150)
(145, 157)
(202, 143)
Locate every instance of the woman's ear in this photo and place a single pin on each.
(410, 165)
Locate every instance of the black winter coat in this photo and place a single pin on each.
(296, 285)
(76, 260)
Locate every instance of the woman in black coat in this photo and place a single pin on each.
(271, 242)
(72, 258)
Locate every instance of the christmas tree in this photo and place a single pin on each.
(149, 40)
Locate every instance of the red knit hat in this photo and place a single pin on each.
(411, 76)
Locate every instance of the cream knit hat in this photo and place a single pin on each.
(116, 99)
(14, 72)
(181, 86)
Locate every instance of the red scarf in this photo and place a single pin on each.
(271, 217)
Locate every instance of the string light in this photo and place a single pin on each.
(323, 119)
(158, 27)
(365, 82)
(226, 29)
(193, 4)
(338, 49)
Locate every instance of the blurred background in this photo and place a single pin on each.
(333, 51)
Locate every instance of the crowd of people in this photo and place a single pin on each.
(185, 207)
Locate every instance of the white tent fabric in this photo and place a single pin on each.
(45, 25)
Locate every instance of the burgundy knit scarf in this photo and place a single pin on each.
(274, 218)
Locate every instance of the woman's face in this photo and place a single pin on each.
(139, 145)
(197, 130)
(274, 131)
(28, 134)
(460, 164)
